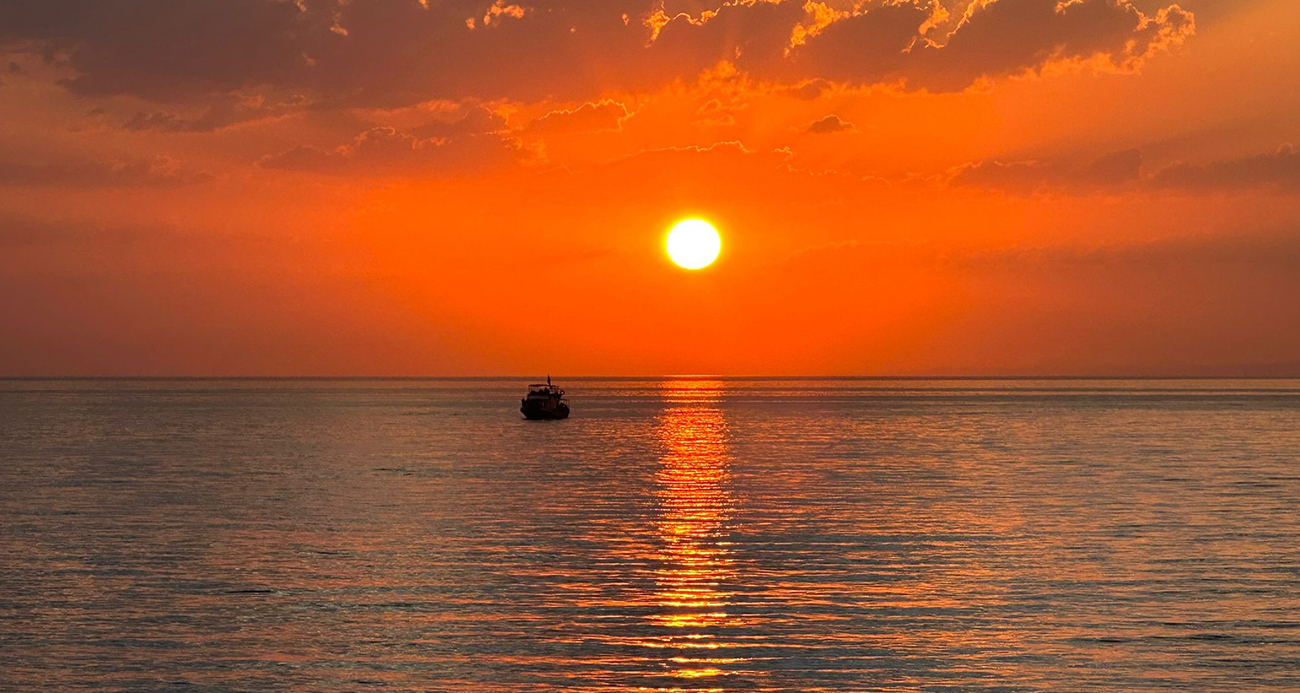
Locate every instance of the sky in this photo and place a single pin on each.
(450, 187)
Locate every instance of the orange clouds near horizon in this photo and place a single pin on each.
(391, 187)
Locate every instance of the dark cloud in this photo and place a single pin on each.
(1113, 169)
(865, 48)
(829, 124)
(390, 53)
(752, 36)
(476, 120)
(811, 89)
(589, 117)
(383, 150)
(160, 171)
(994, 39)
(225, 111)
(1026, 177)
(159, 120)
(1279, 170)
(160, 48)
(1015, 36)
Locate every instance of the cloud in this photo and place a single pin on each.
(225, 111)
(1279, 170)
(1276, 171)
(477, 120)
(159, 48)
(589, 117)
(498, 12)
(811, 90)
(865, 48)
(687, 176)
(996, 38)
(730, 149)
(384, 150)
(830, 124)
(1027, 177)
(160, 171)
(1009, 37)
(389, 53)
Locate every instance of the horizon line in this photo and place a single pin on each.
(691, 376)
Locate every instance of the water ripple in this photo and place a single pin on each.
(673, 535)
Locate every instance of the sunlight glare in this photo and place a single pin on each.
(694, 244)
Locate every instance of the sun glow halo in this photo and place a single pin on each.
(694, 244)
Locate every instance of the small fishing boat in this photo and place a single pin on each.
(544, 401)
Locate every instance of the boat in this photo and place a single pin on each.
(544, 401)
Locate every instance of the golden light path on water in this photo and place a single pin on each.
(695, 562)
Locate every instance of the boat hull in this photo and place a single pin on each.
(545, 413)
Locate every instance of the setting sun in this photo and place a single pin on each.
(694, 244)
(997, 385)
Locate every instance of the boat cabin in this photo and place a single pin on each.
(544, 391)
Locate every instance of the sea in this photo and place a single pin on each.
(674, 534)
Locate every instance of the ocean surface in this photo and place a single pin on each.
(673, 534)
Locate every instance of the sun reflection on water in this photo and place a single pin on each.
(695, 563)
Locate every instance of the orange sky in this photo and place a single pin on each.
(376, 187)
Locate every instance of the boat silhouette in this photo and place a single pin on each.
(544, 401)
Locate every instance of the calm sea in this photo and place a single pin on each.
(733, 535)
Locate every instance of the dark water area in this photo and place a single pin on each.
(732, 535)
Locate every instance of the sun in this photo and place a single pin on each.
(694, 244)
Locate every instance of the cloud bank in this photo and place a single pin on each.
(387, 53)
